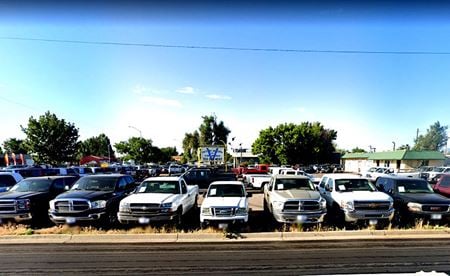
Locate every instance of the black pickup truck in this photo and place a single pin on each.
(93, 198)
(414, 198)
(205, 176)
(28, 200)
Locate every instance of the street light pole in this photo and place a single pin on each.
(135, 128)
(224, 154)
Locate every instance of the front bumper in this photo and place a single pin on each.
(18, 217)
(72, 218)
(354, 216)
(128, 217)
(299, 217)
(232, 219)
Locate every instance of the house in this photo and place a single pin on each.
(399, 160)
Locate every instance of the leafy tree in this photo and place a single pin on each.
(51, 140)
(138, 149)
(213, 132)
(15, 145)
(357, 150)
(167, 153)
(435, 138)
(98, 146)
(191, 143)
(1, 153)
(295, 144)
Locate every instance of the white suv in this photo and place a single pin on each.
(224, 203)
(351, 198)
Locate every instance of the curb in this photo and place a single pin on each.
(219, 237)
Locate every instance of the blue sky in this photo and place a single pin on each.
(370, 99)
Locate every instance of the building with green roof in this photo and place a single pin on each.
(399, 160)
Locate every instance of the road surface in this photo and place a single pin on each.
(279, 258)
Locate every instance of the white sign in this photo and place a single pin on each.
(212, 154)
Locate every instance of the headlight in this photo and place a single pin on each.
(323, 203)
(414, 207)
(52, 204)
(206, 212)
(124, 207)
(391, 204)
(23, 204)
(98, 204)
(166, 205)
(241, 211)
(278, 205)
(348, 205)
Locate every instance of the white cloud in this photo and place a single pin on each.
(161, 101)
(186, 90)
(218, 97)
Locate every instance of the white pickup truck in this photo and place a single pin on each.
(225, 203)
(257, 181)
(158, 199)
(292, 199)
(352, 198)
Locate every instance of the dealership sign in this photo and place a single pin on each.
(211, 154)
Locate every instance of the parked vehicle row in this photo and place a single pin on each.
(109, 199)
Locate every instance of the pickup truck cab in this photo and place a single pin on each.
(443, 185)
(158, 199)
(351, 198)
(292, 199)
(28, 200)
(93, 198)
(224, 203)
(414, 198)
(8, 180)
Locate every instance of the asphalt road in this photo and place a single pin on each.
(280, 258)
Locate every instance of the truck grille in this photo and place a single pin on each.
(145, 208)
(7, 206)
(372, 205)
(303, 205)
(71, 206)
(224, 212)
(435, 208)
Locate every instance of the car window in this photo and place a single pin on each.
(413, 186)
(226, 191)
(330, 183)
(7, 181)
(122, 184)
(445, 182)
(59, 184)
(322, 182)
(32, 185)
(163, 187)
(350, 185)
(183, 187)
(293, 184)
(105, 184)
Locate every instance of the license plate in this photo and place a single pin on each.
(301, 218)
(373, 222)
(223, 225)
(71, 220)
(436, 216)
(144, 220)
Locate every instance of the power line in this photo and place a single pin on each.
(198, 47)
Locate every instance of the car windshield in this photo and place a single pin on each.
(438, 169)
(351, 185)
(104, 184)
(293, 184)
(32, 185)
(414, 186)
(445, 182)
(226, 191)
(161, 187)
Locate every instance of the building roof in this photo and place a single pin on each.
(397, 155)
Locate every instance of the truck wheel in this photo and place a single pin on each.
(265, 207)
(179, 218)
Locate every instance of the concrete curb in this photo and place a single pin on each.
(220, 237)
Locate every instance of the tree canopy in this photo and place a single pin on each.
(305, 143)
(434, 139)
(15, 145)
(98, 145)
(358, 150)
(138, 149)
(51, 140)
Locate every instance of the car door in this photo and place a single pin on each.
(327, 192)
(187, 197)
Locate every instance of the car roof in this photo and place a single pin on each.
(51, 177)
(290, 176)
(401, 177)
(224, 182)
(164, 178)
(343, 176)
(112, 175)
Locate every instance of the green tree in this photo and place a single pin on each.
(435, 138)
(357, 150)
(51, 140)
(213, 132)
(98, 145)
(295, 144)
(1, 153)
(167, 153)
(191, 143)
(138, 149)
(15, 145)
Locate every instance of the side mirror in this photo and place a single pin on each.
(328, 189)
(66, 188)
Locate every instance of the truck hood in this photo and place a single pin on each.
(361, 196)
(298, 194)
(150, 198)
(424, 198)
(224, 202)
(90, 195)
(21, 195)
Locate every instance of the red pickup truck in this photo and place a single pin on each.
(443, 185)
(258, 169)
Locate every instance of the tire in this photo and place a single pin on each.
(179, 218)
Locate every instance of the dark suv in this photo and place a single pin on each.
(28, 200)
(93, 198)
(414, 198)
